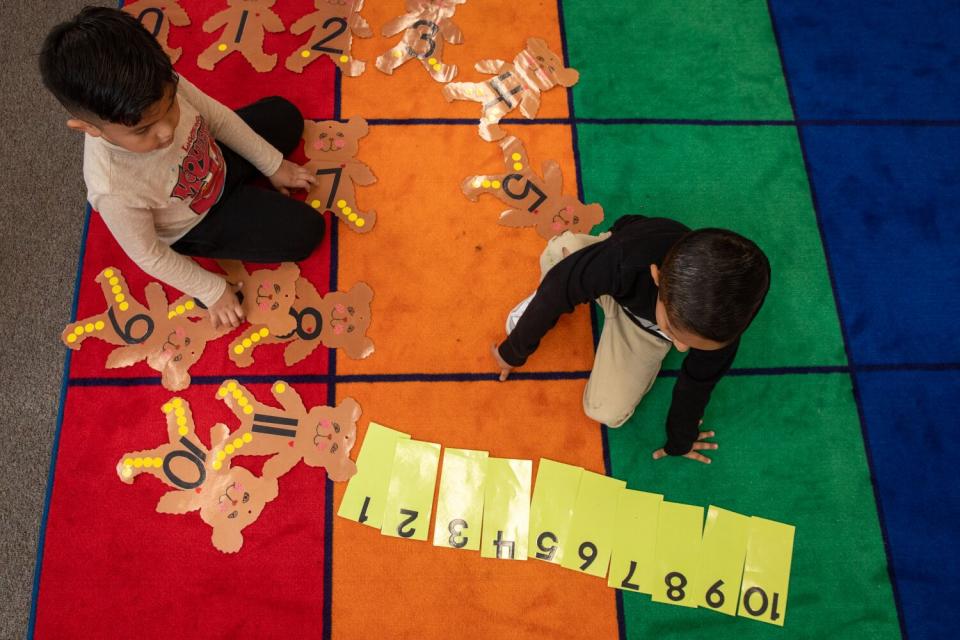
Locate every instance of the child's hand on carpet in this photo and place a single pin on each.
(291, 176)
(505, 368)
(227, 309)
(699, 445)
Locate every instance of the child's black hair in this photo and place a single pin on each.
(104, 63)
(713, 282)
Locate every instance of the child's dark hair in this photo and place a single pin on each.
(104, 63)
(713, 282)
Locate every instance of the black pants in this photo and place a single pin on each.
(253, 223)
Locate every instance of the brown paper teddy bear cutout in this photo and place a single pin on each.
(244, 23)
(267, 295)
(535, 201)
(321, 437)
(425, 25)
(228, 498)
(338, 320)
(164, 336)
(157, 16)
(331, 148)
(534, 70)
(333, 26)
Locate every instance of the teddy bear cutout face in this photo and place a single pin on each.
(228, 498)
(332, 27)
(425, 26)
(244, 24)
(157, 16)
(331, 147)
(321, 437)
(516, 84)
(536, 201)
(338, 320)
(267, 294)
(164, 336)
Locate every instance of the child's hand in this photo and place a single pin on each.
(505, 368)
(699, 445)
(227, 310)
(291, 176)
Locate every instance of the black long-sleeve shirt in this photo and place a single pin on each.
(620, 267)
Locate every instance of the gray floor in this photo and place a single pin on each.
(41, 217)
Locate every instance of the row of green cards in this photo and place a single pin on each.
(581, 520)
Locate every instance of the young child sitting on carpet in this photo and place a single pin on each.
(659, 284)
(168, 167)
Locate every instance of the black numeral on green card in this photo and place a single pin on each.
(502, 544)
(764, 603)
(715, 597)
(363, 511)
(402, 529)
(587, 553)
(456, 528)
(546, 552)
(527, 188)
(626, 584)
(341, 27)
(675, 592)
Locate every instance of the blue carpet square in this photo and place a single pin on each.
(889, 59)
(888, 203)
(910, 417)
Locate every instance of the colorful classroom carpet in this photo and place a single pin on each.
(822, 131)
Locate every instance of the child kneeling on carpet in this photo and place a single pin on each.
(659, 285)
(168, 167)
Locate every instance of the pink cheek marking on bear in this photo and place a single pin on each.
(338, 329)
(264, 306)
(180, 332)
(339, 144)
(316, 145)
(556, 226)
(325, 424)
(340, 308)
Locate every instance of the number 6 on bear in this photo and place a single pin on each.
(410, 492)
(766, 575)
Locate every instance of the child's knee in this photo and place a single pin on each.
(613, 417)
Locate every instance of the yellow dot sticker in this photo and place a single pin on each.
(247, 437)
(315, 204)
(221, 392)
(148, 462)
(305, 53)
(238, 349)
(217, 465)
(124, 306)
(237, 443)
(108, 273)
(437, 67)
(114, 281)
(221, 47)
(221, 455)
(360, 222)
(229, 448)
(182, 423)
(167, 408)
(486, 184)
(432, 61)
(495, 184)
(248, 409)
(179, 412)
(88, 327)
(243, 402)
(341, 203)
(347, 211)
(181, 309)
(138, 462)
(189, 305)
(264, 332)
(170, 315)
(397, 53)
(127, 472)
(177, 403)
(280, 387)
(254, 337)
(231, 386)
(119, 297)
(517, 166)
(115, 289)
(344, 58)
(515, 156)
(128, 462)
(247, 343)
(236, 393)
(352, 217)
(78, 330)
(157, 462)
(99, 325)
(71, 338)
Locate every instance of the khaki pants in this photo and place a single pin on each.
(628, 358)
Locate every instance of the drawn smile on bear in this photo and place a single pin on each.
(269, 296)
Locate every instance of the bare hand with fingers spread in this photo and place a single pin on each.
(699, 445)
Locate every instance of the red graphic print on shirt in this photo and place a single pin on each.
(201, 173)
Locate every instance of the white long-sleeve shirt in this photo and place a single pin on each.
(151, 200)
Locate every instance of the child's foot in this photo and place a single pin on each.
(514, 316)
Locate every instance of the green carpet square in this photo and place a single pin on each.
(790, 450)
(709, 59)
(747, 179)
